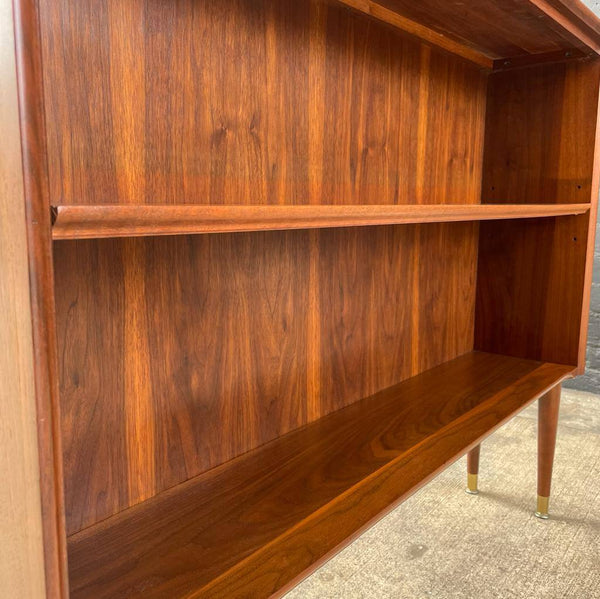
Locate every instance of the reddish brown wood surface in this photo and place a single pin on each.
(503, 29)
(473, 460)
(227, 359)
(576, 11)
(37, 218)
(88, 222)
(575, 17)
(591, 244)
(247, 527)
(495, 34)
(530, 288)
(528, 60)
(534, 275)
(179, 353)
(253, 102)
(22, 553)
(549, 406)
(421, 30)
(540, 134)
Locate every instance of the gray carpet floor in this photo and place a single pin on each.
(443, 543)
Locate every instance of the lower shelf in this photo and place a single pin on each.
(251, 526)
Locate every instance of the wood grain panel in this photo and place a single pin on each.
(27, 55)
(446, 269)
(365, 305)
(452, 154)
(575, 11)
(246, 102)
(574, 16)
(176, 368)
(530, 288)
(500, 29)
(540, 139)
(22, 567)
(247, 528)
(420, 30)
(229, 332)
(92, 344)
(195, 356)
(236, 339)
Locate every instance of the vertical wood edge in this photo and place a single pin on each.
(41, 282)
(591, 237)
(21, 551)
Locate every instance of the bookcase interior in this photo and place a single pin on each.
(189, 362)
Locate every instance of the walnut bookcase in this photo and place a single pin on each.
(287, 260)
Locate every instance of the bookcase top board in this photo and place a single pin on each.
(494, 34)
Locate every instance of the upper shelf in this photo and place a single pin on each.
(90, 222)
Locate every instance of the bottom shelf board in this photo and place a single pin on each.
(250, 527)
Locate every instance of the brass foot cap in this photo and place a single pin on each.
(542, 508)
(472, 484)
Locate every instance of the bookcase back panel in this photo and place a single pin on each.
(180, 353)
(253, 102)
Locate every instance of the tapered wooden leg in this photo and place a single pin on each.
(473, 470)
(547, 424)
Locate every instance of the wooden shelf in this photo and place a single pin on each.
(566, 23)
(248, 527)
(89, 222)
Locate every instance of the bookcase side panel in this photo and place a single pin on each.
(24, 183)
(534, 276)
(22, 554)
